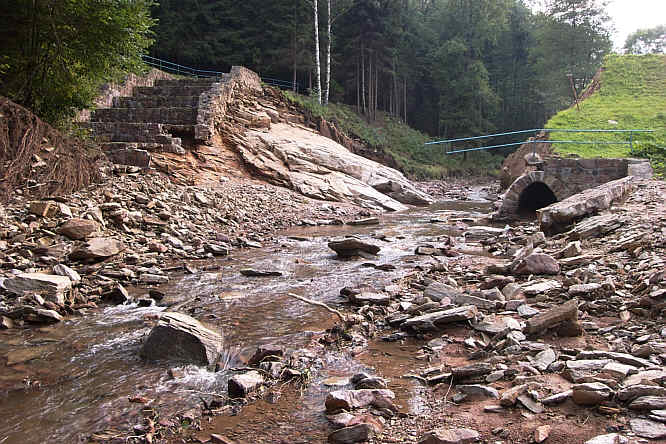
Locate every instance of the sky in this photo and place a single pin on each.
(631, 15)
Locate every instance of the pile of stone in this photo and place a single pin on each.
(610, 266)
(62, 256)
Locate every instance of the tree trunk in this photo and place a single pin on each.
(363, 75)
(317, 58)
(328, 55)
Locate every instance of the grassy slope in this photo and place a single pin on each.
(405, 144)
(633, 93)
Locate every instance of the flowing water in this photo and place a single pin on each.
(65, 381)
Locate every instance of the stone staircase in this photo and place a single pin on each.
(155, 118)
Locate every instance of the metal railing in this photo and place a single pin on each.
(534, 141)
(175, 68)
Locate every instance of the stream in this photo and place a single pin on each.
(64, 382)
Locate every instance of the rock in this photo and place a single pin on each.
(478, 390)
(217, 249)
(479, 232)
(611, 438)
(618, 371)
(240, 386)
(430, 321)
(587, 364)
(340, 420)
(266, 353)
(180, 337)
(471, 371)
(510, 396)
(540, 287)
(634, 391)
(649, 375)
(648, 429)
(584, 289)
(536, 263)
(259, 273)
(64, 270)
(530, 404)
(658, 415)
(78, 229)
(527, 311)
(542, 433)
(6, 323)
(366, 298)
(148, 278)
(53, 287)
(557, 398)
(97, 249)
(572, 249)
(352, 399)
(351, 247)
(591, 393)
(565, 313)
(624, 358)
(355, 433)
(597, 226)
(320, 168)
(451, 436)
(466, 299)
(558, 216)
(49, 209)
(437, 291)
(648, 403)
(543, 359)
(366, 221)
(117, 295)
(495, 324)
(36, 315)
(372, 382)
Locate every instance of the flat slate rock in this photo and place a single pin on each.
(451, 436)
(648, 429)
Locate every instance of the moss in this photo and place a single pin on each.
(405, 144)
(633, 94)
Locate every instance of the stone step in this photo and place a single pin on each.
(208, 81)
(178, 90)
(149, 147)
(129, 132)
(144, 101)
(180, 115)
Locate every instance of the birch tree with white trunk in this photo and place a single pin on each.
(317, 58)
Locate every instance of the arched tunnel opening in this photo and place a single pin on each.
(536, 196)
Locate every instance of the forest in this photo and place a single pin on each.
(450, 68)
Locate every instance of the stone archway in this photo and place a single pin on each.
(535, 184)
(535, 196)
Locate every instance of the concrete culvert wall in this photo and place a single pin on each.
(535, 196)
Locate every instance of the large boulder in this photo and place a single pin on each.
(97, 249)
(323, 169)
(536, 263)
(180, 337)
(52, 287)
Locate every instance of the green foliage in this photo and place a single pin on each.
(647, 41)
(404, 144)
(633, 94)
(56, 54)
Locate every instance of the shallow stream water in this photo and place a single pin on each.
(66, 381)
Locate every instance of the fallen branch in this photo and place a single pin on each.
(342, 317)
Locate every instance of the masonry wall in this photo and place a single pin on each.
(575, 175)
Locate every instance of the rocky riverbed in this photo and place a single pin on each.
(455, 330)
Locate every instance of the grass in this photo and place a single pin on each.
(633, 94)
(403, 143)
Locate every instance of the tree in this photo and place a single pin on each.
(647, 41)
(317, 54)
(58, 52)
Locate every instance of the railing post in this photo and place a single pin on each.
(631, 142)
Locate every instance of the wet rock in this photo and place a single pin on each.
(64, 270)
(648, 403)
(480, 232)
(259, 273)
(431, 321)
(351, 247)
(266, 353)
(366, 221)
(536, 263)
(240, 386)
(180, 337)
(36, 315)
(97, 249)
(352, 399)
(591, 393)
(611, 438)
(355, 433)
(340, 420)
(648, 429)
(217, 249)
(117, 295)
(53, 287)
(451, 436)
(372, 382)
(78, 229)
(6, 323)
(367, 298)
